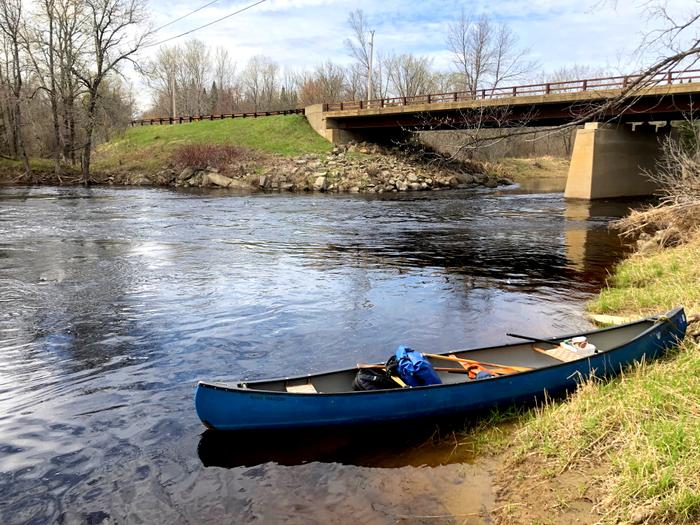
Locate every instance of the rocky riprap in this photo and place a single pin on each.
(357, 168)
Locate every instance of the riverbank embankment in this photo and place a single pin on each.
(279, 153)
(620, 451)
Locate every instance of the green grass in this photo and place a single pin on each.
(650, 284)
(147, 148)
(641, 431)
(37, 164)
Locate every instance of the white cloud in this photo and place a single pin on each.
(302, 33)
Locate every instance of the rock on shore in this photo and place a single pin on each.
(357, 168)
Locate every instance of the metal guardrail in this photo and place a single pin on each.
(196, 118)
(548, 88)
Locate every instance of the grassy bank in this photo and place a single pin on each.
(148, 148)
(284, 150)
(647, 284)
(626, 450)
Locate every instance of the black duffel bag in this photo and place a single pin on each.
(373, 379)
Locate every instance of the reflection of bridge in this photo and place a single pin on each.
(514, 250)
(607, 159)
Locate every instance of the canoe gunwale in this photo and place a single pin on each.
(657, 321)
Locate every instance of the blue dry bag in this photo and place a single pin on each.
(414, 369)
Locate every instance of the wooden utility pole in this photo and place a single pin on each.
(172, 90)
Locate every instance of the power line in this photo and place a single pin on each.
(184, 16)
(208, 24)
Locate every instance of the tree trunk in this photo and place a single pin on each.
(20, 141)
(56, 137)
(21, 150)
(89, 128)
(54, 98)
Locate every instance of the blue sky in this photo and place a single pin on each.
(299, 34)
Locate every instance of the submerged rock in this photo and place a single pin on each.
(140, 180)
(219, 180)
(320, 183)
(185, 174)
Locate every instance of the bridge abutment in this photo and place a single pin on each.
(609, 161)
(317, 119)
(330, 130)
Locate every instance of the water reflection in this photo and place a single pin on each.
(113, 302)
(587, 249)
(378, 446)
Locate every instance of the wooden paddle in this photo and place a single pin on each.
(482, 363)
(436, 368)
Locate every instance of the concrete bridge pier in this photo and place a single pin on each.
(608, 161)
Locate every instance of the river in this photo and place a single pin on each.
(114, 302)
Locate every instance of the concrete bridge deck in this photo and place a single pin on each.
(657, 103)
(609, 157)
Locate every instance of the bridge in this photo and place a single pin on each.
(615, 144)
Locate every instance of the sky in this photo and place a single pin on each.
(299, 34)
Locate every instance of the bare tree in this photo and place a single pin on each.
(260, 85)
(359, 45)
(270, 84)
(194, 75)
(11, 25)
(68, 26)
(225, 78)
(575, 72)
(444, 81)
(325, 84)
(108, 41)
(410, 75)
(510, 63)
(162, 76)
(354, 77)
(260, 81)
(485, 55)
(470, 44)
(43, 51)
(288, 95)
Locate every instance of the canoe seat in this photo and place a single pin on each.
(304, 388)
(559, 353)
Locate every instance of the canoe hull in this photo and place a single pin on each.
(234, 408)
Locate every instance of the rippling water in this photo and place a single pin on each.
(113, 302)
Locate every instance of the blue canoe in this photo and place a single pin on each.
(328, 399)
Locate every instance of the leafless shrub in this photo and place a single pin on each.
(496, 169)
(373, 170)
(203, 155)
(676, 218)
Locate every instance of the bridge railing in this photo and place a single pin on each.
(195, 118)
(547, 88)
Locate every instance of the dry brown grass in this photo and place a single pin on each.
(203, 155)
(676, 219)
